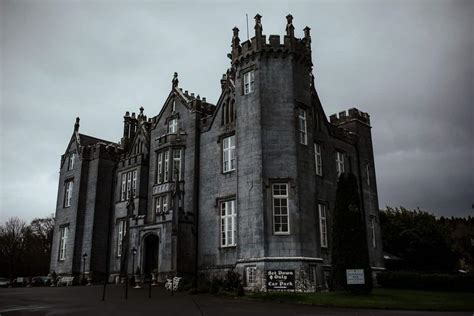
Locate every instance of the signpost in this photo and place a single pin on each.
(280, 279)
(355, 276)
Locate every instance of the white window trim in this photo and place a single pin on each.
(228, 154)
(323, 227)
(160, 168)
(228, 217)
(302, 127)
(120, 235)
(318, 159)
(177, 163)
(249, 82)
(287, 208)
(173, 126)
(166, 166)
(68, 193)
(71, 159)
(339, 163)
(251, 276)
(123, 189)
(63, 242)
(134, 182)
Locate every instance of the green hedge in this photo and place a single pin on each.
(420, 281)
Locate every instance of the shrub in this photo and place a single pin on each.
(420, 281)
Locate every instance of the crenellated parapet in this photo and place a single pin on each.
(351, 115)
(300, 48)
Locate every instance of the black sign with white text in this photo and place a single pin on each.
(280, 279)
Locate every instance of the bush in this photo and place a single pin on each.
(420, 281)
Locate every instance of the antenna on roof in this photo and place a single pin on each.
(247, 18)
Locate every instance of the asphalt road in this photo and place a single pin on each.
(86, 300)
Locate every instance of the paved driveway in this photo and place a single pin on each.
(86, 300)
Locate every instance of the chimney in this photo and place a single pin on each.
(307, 36)
(290, 29)
(258, 30)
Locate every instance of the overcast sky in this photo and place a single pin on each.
(408, 63)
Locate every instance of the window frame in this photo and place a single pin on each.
(372, 231)
(68, 190)
(302, 127)
(318, 159)
(159, 166)
(250, 277)
(228, 217)
(281, 197)
(71, 159)
(229, 160)
(248, 82)
(63, 237)
(166, 165)
(173, 125)
(323, 225)
(340, 161)
(177, 160)
(121, 233)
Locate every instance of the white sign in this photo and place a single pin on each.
(355, 276)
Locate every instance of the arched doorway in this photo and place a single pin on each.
(150, 257)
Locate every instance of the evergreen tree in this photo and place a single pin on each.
(350, 250)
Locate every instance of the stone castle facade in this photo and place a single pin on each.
(247, 184)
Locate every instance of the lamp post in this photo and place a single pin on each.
(84, 257)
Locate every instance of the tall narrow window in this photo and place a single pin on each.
(339, 163)
(372, 229)
(164, 201)
(228, 154)
(173, 106)
(318, 159)
(158, 205)
(121, 227)
(123, 189)
(63, 242)
(71, 159)
(228, 224)
(281, 223)
(68, 193)
(166, 166)
(173, 126)
(129, 184)
(160, 168)
(302, 126)
(323, 232)
(134, 183)
(249, 82)
(176, 164)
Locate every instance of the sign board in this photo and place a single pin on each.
(280, 279)
(355, 276)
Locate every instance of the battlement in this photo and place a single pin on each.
(274, 47)
(352, 114)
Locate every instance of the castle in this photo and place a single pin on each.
(248, 184)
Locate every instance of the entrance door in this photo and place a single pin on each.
(150, 261)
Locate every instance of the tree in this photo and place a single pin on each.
(12, 243)
(350, 250)
(419, 238)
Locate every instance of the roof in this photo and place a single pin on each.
(89, 140)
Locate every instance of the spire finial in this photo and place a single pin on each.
(175, 80)
(76, 125)
(258, 25)
(290, 29)
(235, 38)
(141, 110)
(307, 36)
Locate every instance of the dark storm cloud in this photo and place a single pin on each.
(408, 63)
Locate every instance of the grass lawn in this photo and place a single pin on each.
(379, 299)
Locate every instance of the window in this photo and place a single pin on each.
(228, 113)
(339, 163)
(249, 82)
(372, 229)
(128, 184)
(173, 106)
(166, 166)
(302, 126)
(134, 183)
(323, 232)
(68, 193)
(71, 159)
(228, 224)
(63, 242)
(173, 126)
(367, 173)
(161, 205)
(318, 159)
(251, 277)
(228, 153)
(122, 232)
(280, 208)
(176, 164)
(160, 168)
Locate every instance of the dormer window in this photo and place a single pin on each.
(71, 158)
(249, 82)
(173, 126)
